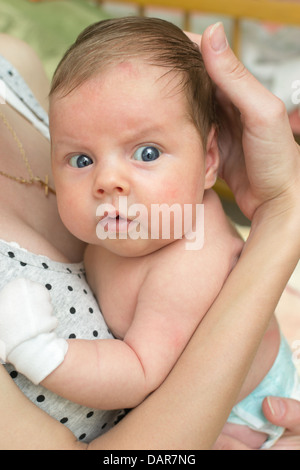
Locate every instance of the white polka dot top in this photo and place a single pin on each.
(79, 317)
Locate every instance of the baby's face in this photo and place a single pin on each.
(122, 143)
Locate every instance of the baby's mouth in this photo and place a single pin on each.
(114, 222)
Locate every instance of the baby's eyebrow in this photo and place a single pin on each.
(65, 142)
(144, 131)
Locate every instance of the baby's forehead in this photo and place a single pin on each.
(131, 93)
(131, 69)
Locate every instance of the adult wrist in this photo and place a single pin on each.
(280, 218)
(273, 245)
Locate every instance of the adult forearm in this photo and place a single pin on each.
(24, 426)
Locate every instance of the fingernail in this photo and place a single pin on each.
(218, 38)
(277, 406)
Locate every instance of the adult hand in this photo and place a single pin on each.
(254, 129)
(283, 412)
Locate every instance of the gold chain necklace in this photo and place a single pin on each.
(32, 179)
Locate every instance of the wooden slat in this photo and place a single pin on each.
(284, 12)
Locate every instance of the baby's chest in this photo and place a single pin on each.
(117, 296)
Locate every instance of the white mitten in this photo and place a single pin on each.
(27, 322)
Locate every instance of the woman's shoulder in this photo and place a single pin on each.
(25, 59)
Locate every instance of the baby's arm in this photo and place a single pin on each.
(106, 373)
(174, 297)
(114, 373)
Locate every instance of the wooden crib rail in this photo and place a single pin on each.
(278, 11)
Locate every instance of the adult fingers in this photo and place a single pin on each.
(283, 412)
(267, 135)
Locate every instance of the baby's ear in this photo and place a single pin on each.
(212, 158)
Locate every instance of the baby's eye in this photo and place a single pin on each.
(146, 154)
(80, 161)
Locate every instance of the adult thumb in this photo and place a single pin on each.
(284, 412)
(231, 76)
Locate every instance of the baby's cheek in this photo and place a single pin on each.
(72, 215)
(172, 192)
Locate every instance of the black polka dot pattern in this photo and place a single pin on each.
(14, 374)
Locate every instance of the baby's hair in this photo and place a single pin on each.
(155, 41)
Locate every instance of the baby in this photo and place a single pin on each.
(134, 154)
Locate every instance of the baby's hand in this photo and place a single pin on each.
(25, 312)
(27, 339)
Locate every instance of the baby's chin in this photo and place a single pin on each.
(133, 248)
